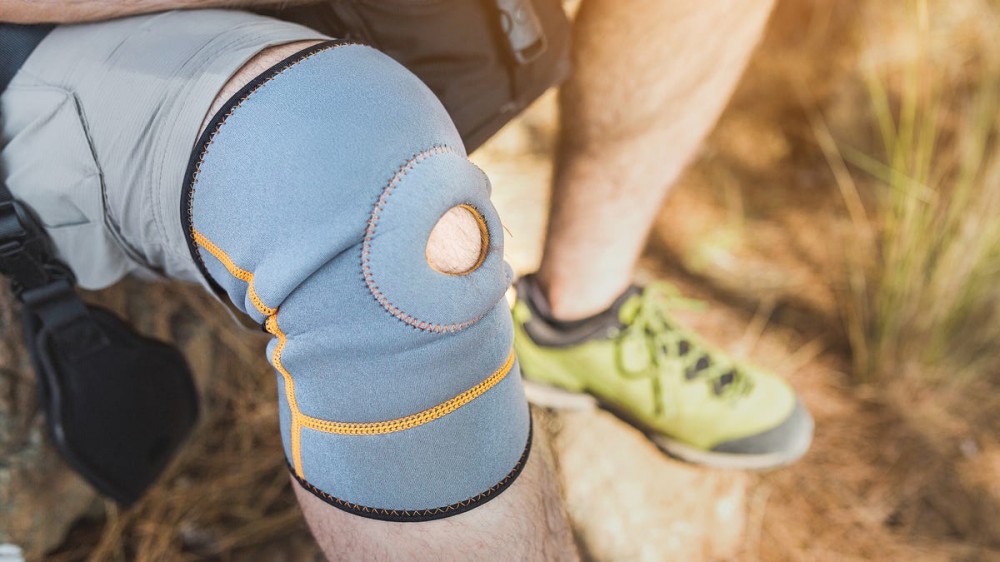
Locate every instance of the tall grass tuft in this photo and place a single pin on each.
(932, 296)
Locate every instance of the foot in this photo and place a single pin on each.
(634, 359)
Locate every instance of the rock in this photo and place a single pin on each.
(629, 501)
(40, 497)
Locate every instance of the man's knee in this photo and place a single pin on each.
(332, 201)
(459, 242)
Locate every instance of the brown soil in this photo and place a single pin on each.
(901, 469)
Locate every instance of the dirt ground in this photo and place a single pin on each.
(901, 469)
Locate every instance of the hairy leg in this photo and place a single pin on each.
(527, 522)
(524, 522)
(651, 78)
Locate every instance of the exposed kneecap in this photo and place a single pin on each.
(311, 199)
(459, 242)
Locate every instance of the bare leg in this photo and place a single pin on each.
(651, 78)
(526, 522)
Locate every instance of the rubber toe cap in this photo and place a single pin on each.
(787, 441)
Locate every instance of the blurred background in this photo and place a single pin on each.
(841, 225)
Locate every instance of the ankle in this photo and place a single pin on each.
(571, 301)
(533, 292)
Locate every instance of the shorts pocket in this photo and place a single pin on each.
(49, 164)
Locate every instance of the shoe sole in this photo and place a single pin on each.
(548, 396)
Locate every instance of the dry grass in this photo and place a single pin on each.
(916, 168)
(932, 72)
(864, 204)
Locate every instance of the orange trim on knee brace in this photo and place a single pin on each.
(300, 420)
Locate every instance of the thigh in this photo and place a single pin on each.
(99, 125)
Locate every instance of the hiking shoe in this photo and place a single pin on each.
(634, 359)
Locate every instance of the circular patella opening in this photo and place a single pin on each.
(459, 241)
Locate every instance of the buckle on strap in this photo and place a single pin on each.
(521, 27)
(42, 283)
(25, 253)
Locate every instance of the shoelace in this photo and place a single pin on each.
(653, 347)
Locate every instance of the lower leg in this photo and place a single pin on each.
(651, 79)
(525, 522)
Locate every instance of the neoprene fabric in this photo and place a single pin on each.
(310, 198)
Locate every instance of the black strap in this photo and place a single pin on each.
(26, 255)
(43, 284)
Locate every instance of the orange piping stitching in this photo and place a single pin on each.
(242, 274)
(413, 420)
(272, 328)
(235, 271)
(271, 323)
(300, 420)
(218, 126)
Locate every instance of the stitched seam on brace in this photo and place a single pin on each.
(235, 271)
(271, 324)
(310, 52)
(272, 328)
(366, 247)
(413, 420)
(300, 420)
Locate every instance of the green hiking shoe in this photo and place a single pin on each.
(693, 401)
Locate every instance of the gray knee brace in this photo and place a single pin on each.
(309, 202)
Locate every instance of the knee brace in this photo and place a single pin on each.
(309, 201)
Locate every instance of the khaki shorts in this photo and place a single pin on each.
(98, 127)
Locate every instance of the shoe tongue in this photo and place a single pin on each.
(547, 330)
